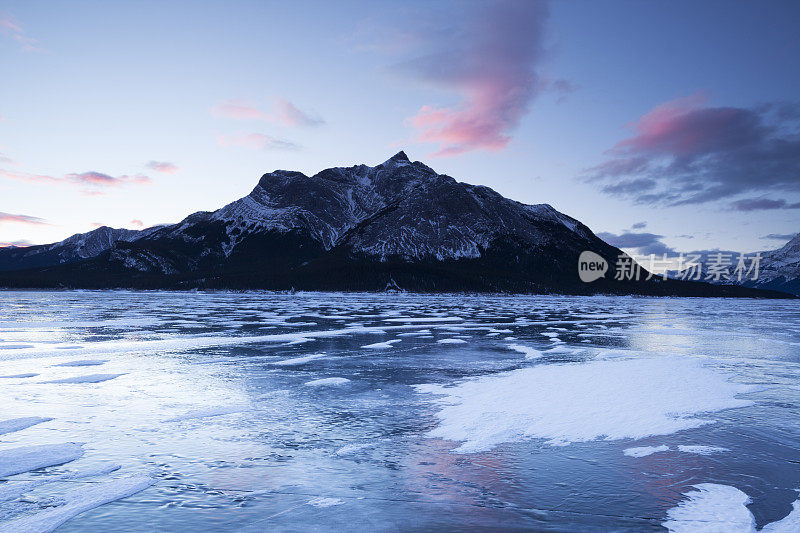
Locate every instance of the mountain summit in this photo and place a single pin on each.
(399, 224)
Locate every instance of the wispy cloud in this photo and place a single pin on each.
(686, 152)
(136, 222)
(163, 166)
(93, 183)
(11, 28)
(22, 219)
(105, 180)
(490, 57)
(283, 112)
(257, 141)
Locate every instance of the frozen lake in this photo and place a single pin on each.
(148, 411)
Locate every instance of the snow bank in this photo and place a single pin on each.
(327, 381)
(78, 501)
(721, 508)
(18, 424)
(530, 353)
(578, 402)
(27, 458)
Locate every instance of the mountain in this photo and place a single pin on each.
(780, 269)
(74, 248)
(399, 224)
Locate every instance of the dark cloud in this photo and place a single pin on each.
(779, 236)
(762, 204)
(683, 152)
(643, 243)
(639, 225)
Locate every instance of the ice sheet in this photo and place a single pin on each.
(78, 501)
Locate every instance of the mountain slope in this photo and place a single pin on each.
(74, 248)
(360, 228)
(780, 269)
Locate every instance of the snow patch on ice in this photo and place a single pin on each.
(579, 402)
(530, 353)
(294, 361)
(451, 341)
(327, 381)
(702, 450)
(84, 362)
(206, 412)
(644, 451)
(325, 502)
(91, 378)
(382, 345)
(26, 458)
(715, 508)
(18, 424)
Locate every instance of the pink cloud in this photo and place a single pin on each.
(163, 166)
(257, 141)
(490, 60)
(97, 224)
(22, 219)
(105, 180)
(284, 112)
(95, 182)
(138, 223)
(289, 115)
(26, 176)
(239, 110)
(13, 30)
(686, 152)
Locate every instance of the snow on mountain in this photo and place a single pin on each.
(397, 208)
(780, 269)
(74, 248)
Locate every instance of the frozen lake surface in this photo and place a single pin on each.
(143, 411)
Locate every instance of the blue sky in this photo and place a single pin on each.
(679, 115)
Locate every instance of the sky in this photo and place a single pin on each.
(663, 126)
